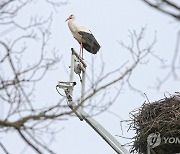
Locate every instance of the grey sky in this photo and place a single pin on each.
(109, 21)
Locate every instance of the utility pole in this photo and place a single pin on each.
(79, 67)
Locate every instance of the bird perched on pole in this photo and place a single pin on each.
(84, 36)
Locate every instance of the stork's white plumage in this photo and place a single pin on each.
(83, 36)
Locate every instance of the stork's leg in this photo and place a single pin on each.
(81, 51)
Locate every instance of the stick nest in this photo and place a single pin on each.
(161, 117)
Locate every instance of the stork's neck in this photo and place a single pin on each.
(72, 25)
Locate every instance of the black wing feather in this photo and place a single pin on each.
(89, 42)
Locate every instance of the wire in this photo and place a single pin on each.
(59, 92)
(62, 95)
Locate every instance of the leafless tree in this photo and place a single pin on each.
(172, 9)
(18, 78)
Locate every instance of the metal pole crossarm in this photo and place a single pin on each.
(74, 53)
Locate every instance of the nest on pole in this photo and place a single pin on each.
(161, 117)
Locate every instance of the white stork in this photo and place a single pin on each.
(83, 36)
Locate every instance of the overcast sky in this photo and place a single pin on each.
(109, 21)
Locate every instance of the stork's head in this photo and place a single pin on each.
(71, 17)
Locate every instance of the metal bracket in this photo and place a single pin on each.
(79, 67)
(68, 88)
(66, 85)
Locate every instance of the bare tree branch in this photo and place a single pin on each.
(162, 7)
(170, 8)
(28, 142)
(5, 150)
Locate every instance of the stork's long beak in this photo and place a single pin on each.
(68, 18)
